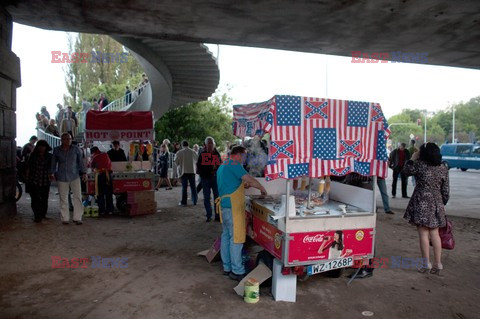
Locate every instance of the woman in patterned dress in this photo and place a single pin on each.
(426, 208)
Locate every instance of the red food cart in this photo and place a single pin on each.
(129, 177)
(327, 225)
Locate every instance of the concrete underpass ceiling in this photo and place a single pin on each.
(449, 31)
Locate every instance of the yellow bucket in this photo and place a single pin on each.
(93, 211)
(86, 212)
(252, 291)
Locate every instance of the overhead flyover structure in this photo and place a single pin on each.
(448, 31)
(178, 72)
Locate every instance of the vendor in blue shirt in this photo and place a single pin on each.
(232, 179)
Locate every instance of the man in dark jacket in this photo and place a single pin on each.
(102, 102)
(116, 154)
(207, 164)
(398, 158)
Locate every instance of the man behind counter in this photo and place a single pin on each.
(116, 154)
(231, 177)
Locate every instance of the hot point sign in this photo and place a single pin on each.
(118, 135)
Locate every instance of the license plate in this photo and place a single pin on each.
(330, 265)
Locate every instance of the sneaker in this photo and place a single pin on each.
(180, 204)
(393, 196)
(236, 277)
(405, 196)
(226, 273)
(65, 223)
(168, 188)
(78, 222)
(209, 219)
(389, 212)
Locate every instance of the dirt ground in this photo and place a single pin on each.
(165, 278)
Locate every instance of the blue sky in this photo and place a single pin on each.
(256, 75)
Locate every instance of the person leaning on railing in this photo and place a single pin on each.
(52, 129)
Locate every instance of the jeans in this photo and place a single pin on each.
(189, 179)
(105, 194)
(39, 195)
(230, 252)
(209, 183)
(382, 187)
(63, 189)
(396, 172)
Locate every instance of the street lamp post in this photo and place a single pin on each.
(425, 130)
(453, 124)
(425, 114)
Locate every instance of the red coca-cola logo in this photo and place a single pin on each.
(313, 239)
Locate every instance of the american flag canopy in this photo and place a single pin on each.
(317, 137)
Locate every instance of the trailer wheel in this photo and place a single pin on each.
(335, 273)
(122, 203)
(265, 258)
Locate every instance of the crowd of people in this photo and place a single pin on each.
(66, 120)
(221, 181)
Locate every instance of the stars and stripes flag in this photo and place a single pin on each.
(251, 119)
(317, 137)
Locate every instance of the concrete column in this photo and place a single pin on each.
(9, 82)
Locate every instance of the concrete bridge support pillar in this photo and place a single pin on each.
(9, 82)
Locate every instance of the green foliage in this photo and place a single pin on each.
(404, 124)
(439, 126)
(92, 78)
(195, 121)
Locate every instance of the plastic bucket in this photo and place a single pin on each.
(252, 291)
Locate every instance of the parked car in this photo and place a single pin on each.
(462, 155)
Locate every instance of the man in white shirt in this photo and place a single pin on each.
(186, 159)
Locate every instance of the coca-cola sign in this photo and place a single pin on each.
(318, 238)
(305, 247)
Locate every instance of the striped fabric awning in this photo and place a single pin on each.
(317, 137)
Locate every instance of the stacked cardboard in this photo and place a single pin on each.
(141, 203)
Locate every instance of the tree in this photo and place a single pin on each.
(439, 126)
(404, 124)
(195, 121)
(108, 68)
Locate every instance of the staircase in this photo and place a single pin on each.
(121, 103)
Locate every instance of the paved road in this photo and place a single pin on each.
(464, 194)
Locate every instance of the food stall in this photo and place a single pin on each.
(132, 130)
(322, 225)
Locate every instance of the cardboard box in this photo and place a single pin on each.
(213, 253)
(140, 197)
(260, 274)
(144, 208)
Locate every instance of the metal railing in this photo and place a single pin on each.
(52, 140)
(117, 105)
(156, 165)
(121, 103)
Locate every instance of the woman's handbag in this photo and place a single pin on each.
(446, 235)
